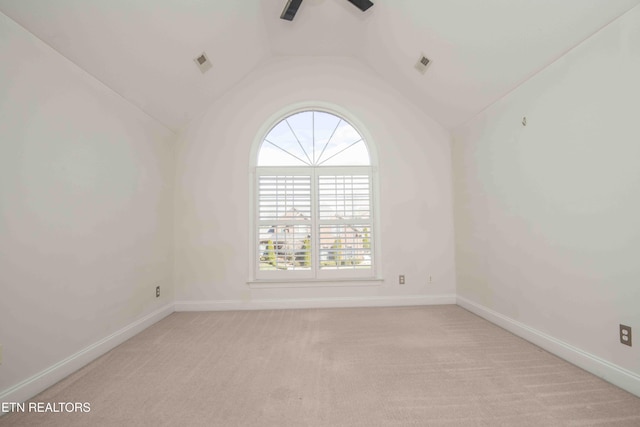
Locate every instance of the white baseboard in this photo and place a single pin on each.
(614, 374)
(276, 304)
(48, 377)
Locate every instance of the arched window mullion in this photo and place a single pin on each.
(328, 141)
(291, 154)
(339, 152)
(299, 143)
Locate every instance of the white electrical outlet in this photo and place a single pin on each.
(401, 279)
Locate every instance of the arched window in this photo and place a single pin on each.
(314, 194)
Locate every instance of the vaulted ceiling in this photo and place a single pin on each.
(480, 50)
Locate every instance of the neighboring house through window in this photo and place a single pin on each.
(314, 192)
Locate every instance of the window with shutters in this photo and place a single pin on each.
(314, 195)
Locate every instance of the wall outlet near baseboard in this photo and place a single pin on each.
(401, 279)
(625, 335)
(157, 291)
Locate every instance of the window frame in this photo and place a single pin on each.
(317, 275)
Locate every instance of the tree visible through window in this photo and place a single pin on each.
(314, 191)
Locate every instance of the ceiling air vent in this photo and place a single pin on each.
(203, 63)
(422, 64)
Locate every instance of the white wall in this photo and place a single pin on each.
(547, 216)
(212, 204)
(86, 187)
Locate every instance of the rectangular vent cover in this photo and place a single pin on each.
(203, 63)
(422, 64)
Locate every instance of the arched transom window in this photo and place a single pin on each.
(314, 200)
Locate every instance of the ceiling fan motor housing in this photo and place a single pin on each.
(291, 8)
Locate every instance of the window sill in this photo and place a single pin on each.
(313, 283)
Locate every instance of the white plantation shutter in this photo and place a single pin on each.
(284, 198)
(284, 222)
(344, 221)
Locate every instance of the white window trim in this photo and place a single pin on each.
(375, 277)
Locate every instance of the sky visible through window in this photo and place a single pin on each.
(313, 138)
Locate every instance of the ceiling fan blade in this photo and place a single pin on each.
(290, 9)
(361, 4)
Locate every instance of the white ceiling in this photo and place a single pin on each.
(480, 50)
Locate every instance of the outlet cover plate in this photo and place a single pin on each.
(625, 335)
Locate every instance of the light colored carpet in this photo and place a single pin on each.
(435, 365)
